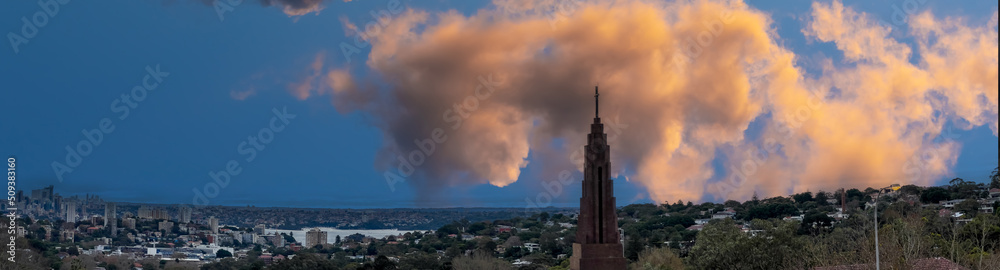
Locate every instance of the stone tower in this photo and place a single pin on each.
(597, 240)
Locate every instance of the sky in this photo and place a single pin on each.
(311, 103)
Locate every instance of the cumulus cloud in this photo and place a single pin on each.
(310, 85)
(689, 78)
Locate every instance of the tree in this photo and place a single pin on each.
(814, 223)
(658, 259)
(717, 246)
(855, 195)
(222, 253)
(383, 263)
(821, 198)
(477, 227)
(448, 229)
(452, 252)
(722, 245)
(480, 260)
(995, 178)
(288, 238)
(770, 210)
(485, 244)
(633, 248)
(513, 241)
(934, 195)
(544, 216)
(969, 207)
(803, 197)
(304, 261)
(732, 204)
(514, 252)
(419, 260)
(961, 189)
(910, 189)
(255, 252)
(904, 240)
(984, 231)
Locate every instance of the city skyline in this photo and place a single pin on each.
(308, 123)
(461, 135)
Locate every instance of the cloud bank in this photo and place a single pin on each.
(697, 83)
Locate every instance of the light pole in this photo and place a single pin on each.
(894, 187)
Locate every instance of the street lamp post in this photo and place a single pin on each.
(894, 187)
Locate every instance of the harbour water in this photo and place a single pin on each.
(332, 233)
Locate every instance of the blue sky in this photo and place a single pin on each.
(66, 78)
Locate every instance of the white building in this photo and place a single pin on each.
(213, 224)
(951, 203)
(110, 214)
(71, 211)
(315, 237)
(185, 215)
(145, 212)
(532, 247)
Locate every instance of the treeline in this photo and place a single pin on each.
(913, 228)
(802, 231)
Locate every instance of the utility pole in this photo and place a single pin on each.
(878, 265)
(894, 187)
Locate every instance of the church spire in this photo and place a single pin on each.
(598, 244)
(597, 104)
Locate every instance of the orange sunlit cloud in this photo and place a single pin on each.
(687, 79)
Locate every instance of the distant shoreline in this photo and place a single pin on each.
(332, 233)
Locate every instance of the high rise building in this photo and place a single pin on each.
(276, 240)
(315, 237)
(71, 211)
(145, 212)
(110, 213)
(249, 238)
(83, 209)
(128, 223)
(160, 213)
(185, 215)
(43, 195)
(213, 224)
(597, 240)
(111, 218)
